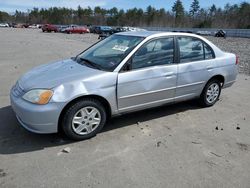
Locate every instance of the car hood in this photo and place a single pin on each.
(54, 74)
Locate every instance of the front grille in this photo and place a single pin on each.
(17, 90)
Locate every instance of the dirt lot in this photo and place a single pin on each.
(173, 146)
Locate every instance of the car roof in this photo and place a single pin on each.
(154, 33)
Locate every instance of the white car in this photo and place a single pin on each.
(206, 33)
(34, 26)
(133, 29)
(4, 25)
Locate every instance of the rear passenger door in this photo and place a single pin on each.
(195, 58)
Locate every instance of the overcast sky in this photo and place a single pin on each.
(24, 5)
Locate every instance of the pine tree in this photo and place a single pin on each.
(178, 9)
(194, 8)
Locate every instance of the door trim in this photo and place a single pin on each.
(145, 93)
(163, 101)
(186, 85)
(146, 104)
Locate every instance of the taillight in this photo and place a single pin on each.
(237, 60)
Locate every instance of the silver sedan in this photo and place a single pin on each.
(126, 72)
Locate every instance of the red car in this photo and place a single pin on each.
(49, 28)
(76, 29)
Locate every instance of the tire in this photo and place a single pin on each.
(84, 118)
(214, 93)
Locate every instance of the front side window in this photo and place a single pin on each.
(155, 52)
(107, 54)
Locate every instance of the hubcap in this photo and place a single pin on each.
(212, 92)
(86, 120)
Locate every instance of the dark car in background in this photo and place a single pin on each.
(108, 33)
(49, 28)
(220, 33)
(118, 29)
(103, 29)
(92, 28)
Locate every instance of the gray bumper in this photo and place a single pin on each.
(37, 118)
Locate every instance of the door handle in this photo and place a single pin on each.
(169, 74)
(209, 67)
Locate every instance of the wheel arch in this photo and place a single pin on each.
(218, 77)
(101, 99)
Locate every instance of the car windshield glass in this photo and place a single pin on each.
(108, 53)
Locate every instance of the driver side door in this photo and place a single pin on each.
(151, 78)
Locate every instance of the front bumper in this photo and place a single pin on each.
(36, 118)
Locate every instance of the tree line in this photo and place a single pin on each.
(230, 16)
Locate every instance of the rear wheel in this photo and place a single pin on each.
(210, 93)
(84, 119)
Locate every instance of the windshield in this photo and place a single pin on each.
(107, 54)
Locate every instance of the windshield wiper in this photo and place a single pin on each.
(92, 64)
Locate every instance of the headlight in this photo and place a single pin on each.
(38, 96)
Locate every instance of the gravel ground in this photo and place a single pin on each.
(239, 46)
(181, 145)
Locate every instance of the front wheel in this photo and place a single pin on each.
(210, 93)
(84, 119)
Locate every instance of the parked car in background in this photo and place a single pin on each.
(118, 29)
(26, 25)
(20, 25)
(103, 30)
(133, 29)
(4, 25)
(220, 33)
(104, 35)
(126, 72)
(76, 29)
(34, 26)
(92, 28)
(17, 25)
(49, 28)
(62, 28)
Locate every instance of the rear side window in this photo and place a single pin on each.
(193, 49)
(209, 54)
